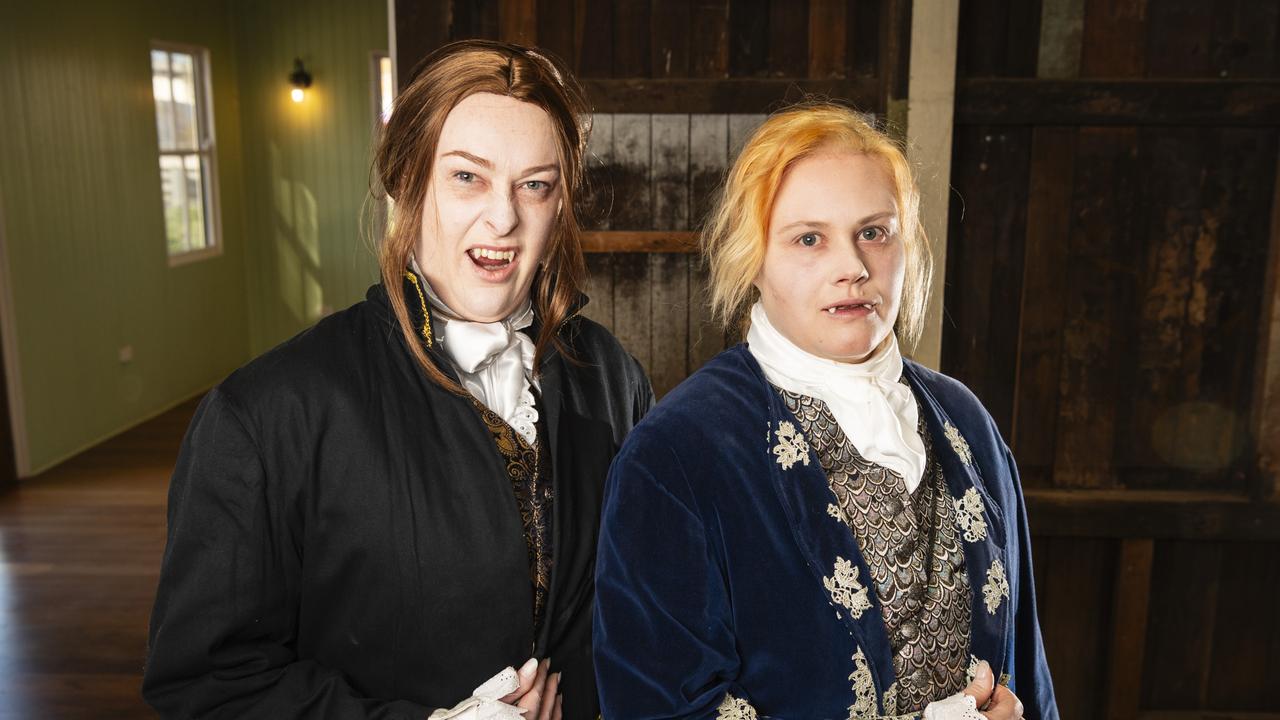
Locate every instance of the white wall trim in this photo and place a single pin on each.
(391, 45)
(930, 118)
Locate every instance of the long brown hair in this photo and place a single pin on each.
(407, 151)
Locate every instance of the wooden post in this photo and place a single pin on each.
(930, 112)
(1266, 416)
(1129, 627)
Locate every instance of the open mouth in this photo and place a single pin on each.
(851, 308)
(491, 260)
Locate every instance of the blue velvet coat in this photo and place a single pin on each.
(724, 588)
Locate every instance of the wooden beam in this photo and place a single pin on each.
(639, 241)
(1129, 627)
(735, 95)
(1266, 416)
(1118, 102)
(930, 103)
(1151, 514)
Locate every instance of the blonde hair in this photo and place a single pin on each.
(407, 150)
(734, 239)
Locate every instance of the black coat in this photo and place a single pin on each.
(343, 540)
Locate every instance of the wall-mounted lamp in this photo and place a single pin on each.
(300, 79)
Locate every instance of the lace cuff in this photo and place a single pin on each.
(957, 707)
(483, 703)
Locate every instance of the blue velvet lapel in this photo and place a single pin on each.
(989, 631)
(805, 494)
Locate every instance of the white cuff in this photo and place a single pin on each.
(957, 707)
(483, 703)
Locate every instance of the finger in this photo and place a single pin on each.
(559, 714)
(1004, 705)
(532, 699)
(982, 685)
(526, 674)
(551, 690)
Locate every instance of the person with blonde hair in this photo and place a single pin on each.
(386, 515)
(812, 526)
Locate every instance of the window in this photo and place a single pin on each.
(184, 127)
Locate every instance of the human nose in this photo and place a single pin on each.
(501, 215)
(851, 268)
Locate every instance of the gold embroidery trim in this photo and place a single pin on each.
(997, 587)
(422, 299)
(864, 689)
(845, 589)
(970, 520)
(791, 447)
(731, 708)
(958, 444)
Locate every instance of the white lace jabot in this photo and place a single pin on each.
(494, 361)
(875, 410)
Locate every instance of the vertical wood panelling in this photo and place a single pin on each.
(788, 38)
(827, 25)
(1052, 171)
(631, 38)
(710, 53)
(1129, 627)
(518, 21)
(748, 38)
(596, 216)
(1061, 28)
(669, 42)
(1075, 614)
(84, 234)
(708, 162)
(669, 273)
(1244, 666)
(1185, 577)
(1101, 239)
(984, 264)
(1114, 42)
(633, 210)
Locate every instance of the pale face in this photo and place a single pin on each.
(834, 262)
(491, 205)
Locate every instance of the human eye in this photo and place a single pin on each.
(809, 239)
(464, 176)
(873, 234)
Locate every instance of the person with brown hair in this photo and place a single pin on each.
(813, 526)
(387, 514)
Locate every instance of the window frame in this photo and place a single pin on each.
(207, 151)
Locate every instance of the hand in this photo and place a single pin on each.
(996, 702)
(538, 694)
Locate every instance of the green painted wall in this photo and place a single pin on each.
(84, 236)
(307, 165)
(80, 197)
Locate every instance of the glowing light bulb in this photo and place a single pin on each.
(296, 94)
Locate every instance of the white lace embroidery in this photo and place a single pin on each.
(864, 689)
(958, 443)
(969, 516)
(524, 419)
(845, 589)
(957, 707)
(791, 447)
(972, 672)
(997, 587)
(834, 512)
(731, 708)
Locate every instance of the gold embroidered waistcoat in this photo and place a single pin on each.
(913, 550)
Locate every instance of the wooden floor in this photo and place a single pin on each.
(80, 551)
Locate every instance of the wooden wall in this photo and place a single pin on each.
(1111, 289)
(1112, 278)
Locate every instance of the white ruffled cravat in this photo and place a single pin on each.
(494, 361)
(875, 410)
